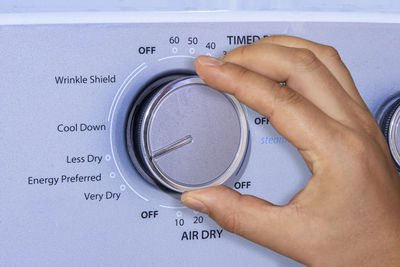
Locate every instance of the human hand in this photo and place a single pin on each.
(349, 212)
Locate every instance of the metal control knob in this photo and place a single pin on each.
(185, 135)
(390, 126)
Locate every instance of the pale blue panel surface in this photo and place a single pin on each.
(57, 225)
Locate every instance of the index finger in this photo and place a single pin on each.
(292, 115)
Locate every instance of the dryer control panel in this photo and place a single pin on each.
(103, 125)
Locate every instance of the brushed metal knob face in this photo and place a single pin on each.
(185, 135)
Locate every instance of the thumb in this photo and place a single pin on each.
(255, 219)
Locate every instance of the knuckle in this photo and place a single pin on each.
(238, 52)
(235, 220)
(295, 208)
(242, 74)
(239, 76)
(231, 222)
(305, 59)
(286, 96)
(330, 52)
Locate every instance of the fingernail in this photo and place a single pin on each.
(194, 204)
(209, 61)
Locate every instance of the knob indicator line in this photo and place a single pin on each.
(175, 145)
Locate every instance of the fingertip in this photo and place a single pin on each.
(203, 63)
(206, 199)
(209, 61)
(210, 69)
(191, 202)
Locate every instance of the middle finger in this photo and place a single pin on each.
(297, 67)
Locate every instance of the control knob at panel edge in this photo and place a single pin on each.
(390, 126)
